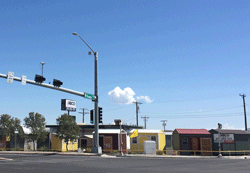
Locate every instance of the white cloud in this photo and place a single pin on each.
(145, 98)
(125, 96)
(26, 130)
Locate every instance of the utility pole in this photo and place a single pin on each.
(137, 110)
(164, 124)
(243, 96)
(83, 113)
(145, 120)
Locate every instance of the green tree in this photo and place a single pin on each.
(36, 123)
(67, 129)
(8, 125)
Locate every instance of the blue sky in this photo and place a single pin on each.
(186, 61)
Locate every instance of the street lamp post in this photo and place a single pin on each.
(16, 132)
(219, 128)
(42, 66)
(96, 148)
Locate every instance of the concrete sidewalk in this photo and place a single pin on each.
(125, 155)
(5, 159)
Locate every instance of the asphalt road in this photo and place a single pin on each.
(38, 163)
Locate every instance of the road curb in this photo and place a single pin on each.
(49, 153)
(125, 155)
(189, 157)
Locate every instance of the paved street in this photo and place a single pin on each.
(30, 163)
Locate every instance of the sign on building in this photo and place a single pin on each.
(224, 138)
(68, 105)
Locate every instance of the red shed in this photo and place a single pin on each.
(192, 140)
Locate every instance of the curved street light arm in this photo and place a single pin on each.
(83, 41)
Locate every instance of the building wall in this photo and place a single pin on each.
(72, 146)
(176, 141)
(60, 145)
(160, 141)
(242, 142)
(56, 143)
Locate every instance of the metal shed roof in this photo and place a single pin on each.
(111, 131)
(168, 133)
(147, 131)
(193, 131)
(232, 131)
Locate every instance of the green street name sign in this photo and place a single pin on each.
(89, 96)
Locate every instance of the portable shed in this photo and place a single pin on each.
(113, 140)
(136, 143)
(231, 140)
(192, 141)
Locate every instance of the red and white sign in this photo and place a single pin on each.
(224, 138)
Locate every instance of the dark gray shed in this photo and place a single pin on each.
(231, 140)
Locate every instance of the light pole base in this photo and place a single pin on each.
(96, 149)
(220, 156)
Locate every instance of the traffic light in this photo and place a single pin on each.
(39, 79)
(91, 116)
(100, 114)
(57, 83)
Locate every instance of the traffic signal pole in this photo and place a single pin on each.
(96, 148)
(45, 85)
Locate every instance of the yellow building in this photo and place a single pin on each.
(136, 143)
(60, 145)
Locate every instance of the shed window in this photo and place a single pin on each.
(185, 141)
(134, 140)
(153, 138)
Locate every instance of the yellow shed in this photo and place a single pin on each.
(136, 143)
(60, 145)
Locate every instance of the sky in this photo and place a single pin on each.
(186, 61)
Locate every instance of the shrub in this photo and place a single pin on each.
(16, 149)
(43, 148)
(159, 152)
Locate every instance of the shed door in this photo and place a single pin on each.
(206, 145)
(124, 142)
(194, 143)
(107, 144)
(140, 145)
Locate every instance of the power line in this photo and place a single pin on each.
(117, 108)
(194, 111)
(198, 117)
(192, 100)
(160, 115)
(83, 113)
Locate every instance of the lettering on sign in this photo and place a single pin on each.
(224, 138)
